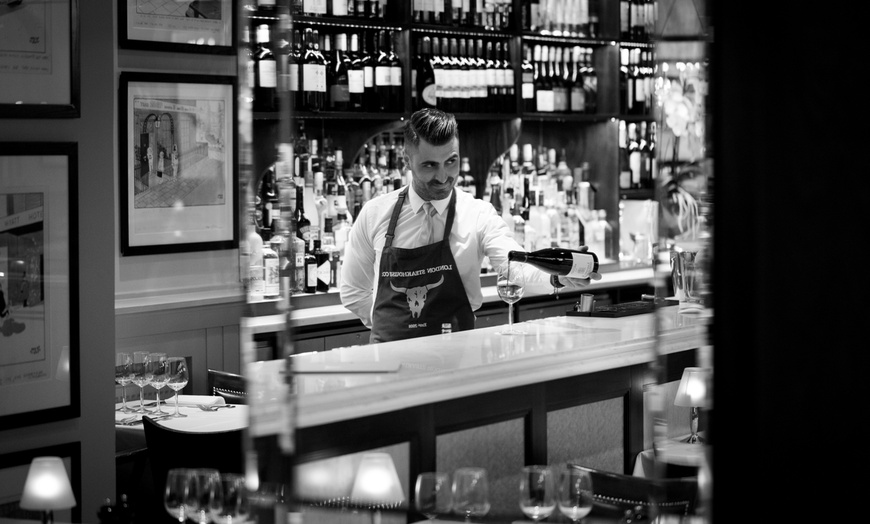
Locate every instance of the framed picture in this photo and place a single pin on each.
(39, 59)
(39, 292)
(178, 170)
(198, 26)
(13, 473)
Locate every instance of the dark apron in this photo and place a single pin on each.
(419, 289)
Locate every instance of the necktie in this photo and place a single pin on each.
(428, 234)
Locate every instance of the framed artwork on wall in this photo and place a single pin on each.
(39, 59)
(39, 294)
(200, 26)
(13, 473)
(178, 174)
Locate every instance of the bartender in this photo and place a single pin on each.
(413, 256)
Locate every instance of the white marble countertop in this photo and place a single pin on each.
(442, 367)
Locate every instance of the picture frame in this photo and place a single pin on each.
(40, 59)
(202, 26)
(39, 283)
(13, 473)
(178, 174)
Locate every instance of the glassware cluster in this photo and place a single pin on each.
(204, 496)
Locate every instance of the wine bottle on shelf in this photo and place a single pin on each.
(383, 68)
(396, 92)
(265, 72)
(634, 155)
(543, 86)
(590, 82)
(310, 278)
(559, 261)
(367, 63)
(492, 70)
(355, 76)
(625, 19)
(624, 164)
(577, 95)
(624, 82)
(338, 76)
(313, 73)
(528, 87)
(426, 86)
(508, 93)
(560, 92)
(294, 57)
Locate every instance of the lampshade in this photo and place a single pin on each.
(47, 486)
(377, 481)
(693, 388)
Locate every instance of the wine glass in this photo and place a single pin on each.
(177, 377)
(229, 500)
(510, 284)
(537, 492)
(140, 376)
(470, 492)
(432, 494)
(575, 493)
(175, 492)
(158, 374)
(201, 485)
(123, 376)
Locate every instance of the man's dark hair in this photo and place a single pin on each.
(432, 125)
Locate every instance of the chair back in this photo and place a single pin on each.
(170, 448)
(614, 494)
(230, 386)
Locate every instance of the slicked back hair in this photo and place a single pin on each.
(432, 125)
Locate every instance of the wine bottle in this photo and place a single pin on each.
(383, 68)
(634, 155)
(578, 94)
(355, 76)
(543, 87)
(313, 73)
(624, 164)
(367, 63)
(528, 87)
(396, 92)
(338, 75)
(508, 93)
(559, 261)
(426, 86)
(293, 60)
(265, 72)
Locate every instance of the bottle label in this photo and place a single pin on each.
(339, 7)
(340, 93)
(545, 101)
(294, 77)
(271, 285)
(382, 76)
(311, 275)
(396, 76)
(323, 271)
(268, 73)
(528, 91)
(356, 81)
(314, 77)
(583, 265)
(314, 7)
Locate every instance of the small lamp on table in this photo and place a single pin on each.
(47, 488)
(693, 393)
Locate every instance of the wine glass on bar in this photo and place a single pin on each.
(140, 376)
(123, 376)
(432, 494)
(575, 492)
(537, 492)
(510, 284)
(158, 375)
(470, 493)
(176, 371)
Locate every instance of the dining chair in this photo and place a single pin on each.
(614, 494)
(230, 386)
(170, 448)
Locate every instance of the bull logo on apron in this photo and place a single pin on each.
(416, 296)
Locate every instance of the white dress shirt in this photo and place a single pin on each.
(478, 231)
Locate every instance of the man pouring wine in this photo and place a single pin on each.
(413, 257)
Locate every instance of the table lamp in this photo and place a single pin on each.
(693, 393)
(47, 488)
(376, 484)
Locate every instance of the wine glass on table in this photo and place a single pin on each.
(228, 502)
(175, 492)
(537, 492)
(510, 284)
(432, 494)
(470, 492)
(140, 376)
(201, 485)
(575, 493)
(158, 376)
(123, 377)
(177, 378)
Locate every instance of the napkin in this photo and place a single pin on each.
(193, 400)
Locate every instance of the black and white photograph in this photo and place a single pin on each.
(193, 26)
(177, 169)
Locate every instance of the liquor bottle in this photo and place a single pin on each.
(383, 68)
(426, 87)
(528, 87)
(255, 275)
(327, 246)
(559, 261)
(271, 270)
(314, 7)
(519, 225)
(355, 76)
(310, 278)
(634, 155)
(341, 230)
(313, 73)
(624, 164)
(303, 224)
(590, 82)
(265, 72)
(338, 77)
(321, 269)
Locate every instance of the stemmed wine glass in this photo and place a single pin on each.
(175, 493)
(510, 284)
(201, 483)
(123, 376)
(432, 494)
(537, 492)
(158, 377)
(177, 377)
(140, 376)
(575, 493)
(470, 492)
(228, 501)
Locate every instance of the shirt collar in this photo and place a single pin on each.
(417, 202)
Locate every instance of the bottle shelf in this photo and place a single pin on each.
(646, 193)
(461, 31)
(346, 22)
(568, 117)
(562, 40)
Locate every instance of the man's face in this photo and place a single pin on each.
(435, 168)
